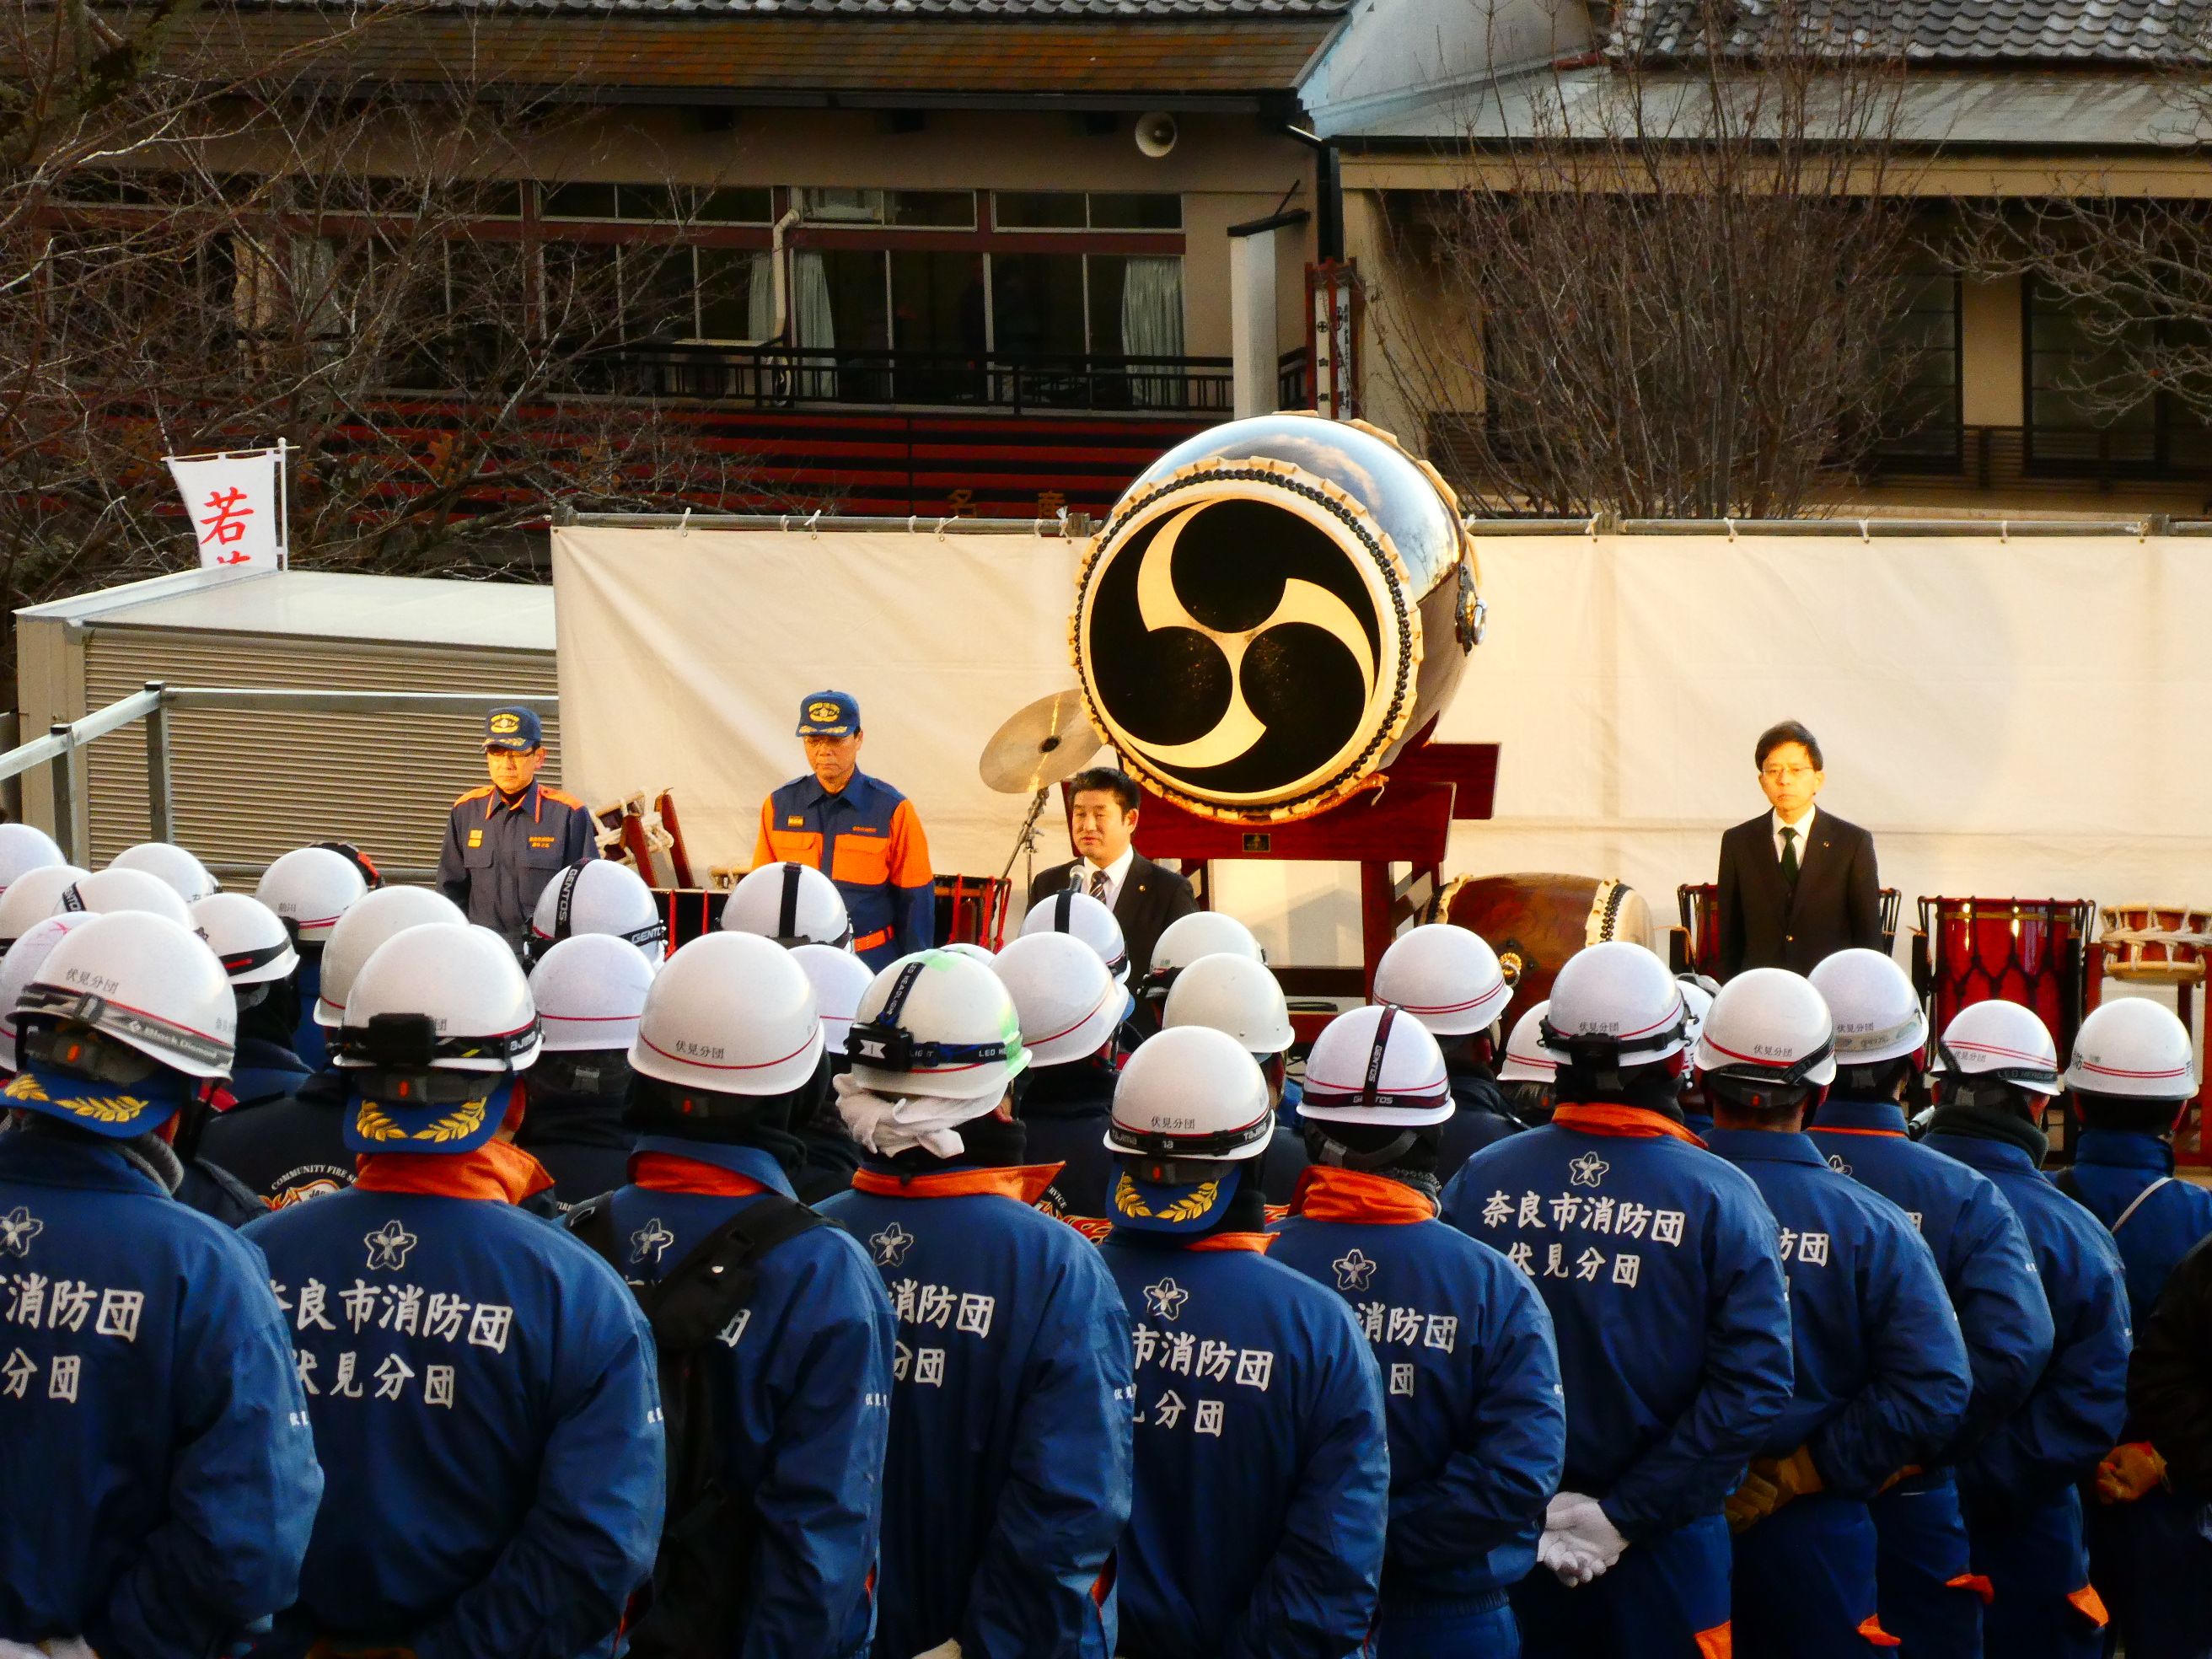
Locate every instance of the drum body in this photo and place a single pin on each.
(2026, 951)
(1536, 921)
(1273, 612)
(1700, 905)
(2154, 943)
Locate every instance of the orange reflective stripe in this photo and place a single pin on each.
(869, 941)
(1976, 1583)
(1870, 1627)
(1612, 1118)
(1830, 1129)
(1327, 1193)
(1718, 1642)
(1255, 1243)
(1025, 1183)
(909, 849)
(2090, 1605)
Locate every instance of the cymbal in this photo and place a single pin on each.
(1042, 745)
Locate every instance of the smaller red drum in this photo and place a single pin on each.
(2026, 951)
(2154, 943)
(1536, 921)
(1700, 904)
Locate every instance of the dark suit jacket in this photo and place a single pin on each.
(1838, 904)
(1149, 900)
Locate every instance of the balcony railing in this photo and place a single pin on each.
(783, 377)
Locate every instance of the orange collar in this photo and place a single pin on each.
(664, 1172)
(1022, 1182)
(1331, 1195)
(1612, 1118)
(1830, 1129)
(1255, 1243)
(497, 1170)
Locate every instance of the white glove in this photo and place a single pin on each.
(948, 1649)
(1583, 1527)
(69, 1647)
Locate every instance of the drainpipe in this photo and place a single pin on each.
(780, 274)
(1329, 194)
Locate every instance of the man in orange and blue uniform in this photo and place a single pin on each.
(856, 830)
(507, 840)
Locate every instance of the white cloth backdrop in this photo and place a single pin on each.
(2023, 717)
(684, 658)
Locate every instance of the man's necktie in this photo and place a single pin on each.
(1790, 856)
(1098, 885)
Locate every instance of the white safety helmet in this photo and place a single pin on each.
(22, 960)
(1877, 1017)
(25, 846)
(1070, 912)
(1446, 977)
(589, 989)
(1192, 1095)
(1527, 1058)
(126, 980)
(31, 897)
(1768, 1029)
(1614, 1005)
(247, 937)
(840, 980)
(599, 897)
(790, 903)
(170, 863)
(1200, 934)
(1068, 1005)
(2129, 1047)
(731, 1014)
(1697, 1003)
(310, 888)
(2001, 1041)
(1376, 1065)
(961, 947)
(1232, 994)
(937, 1024)
(374, 918)
(109, 891)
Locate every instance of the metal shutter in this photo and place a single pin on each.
(248, 787)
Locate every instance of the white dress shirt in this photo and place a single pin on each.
(1804, 828)
(1116, 873)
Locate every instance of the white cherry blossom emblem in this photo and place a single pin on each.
(1588, 1169)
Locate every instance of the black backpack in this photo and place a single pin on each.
(700, 1580)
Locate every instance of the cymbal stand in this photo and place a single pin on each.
(1026, 842)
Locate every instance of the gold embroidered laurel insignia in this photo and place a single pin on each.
(1196, 1205)
(24, 1087)
(373, 1125)
(822, 713)
(456, 1126)
(1128, 1199)
(506, 725)
(106, 1109)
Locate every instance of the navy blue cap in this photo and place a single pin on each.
(828, 714)
(515, 729)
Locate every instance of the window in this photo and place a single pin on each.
(2089, 406)
(655, 204)
(904, 209)
(1062, 209)
(1922, 342)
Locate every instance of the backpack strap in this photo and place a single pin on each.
(697, 1299)
(2069, 1184)
(2163, 1180)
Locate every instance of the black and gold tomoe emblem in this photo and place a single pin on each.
(1245, 640)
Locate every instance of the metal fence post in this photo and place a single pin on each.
(69, 830)
(159, 804)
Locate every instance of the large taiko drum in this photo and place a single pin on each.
(2026, 951)
(1535, 922)
(1273, 612)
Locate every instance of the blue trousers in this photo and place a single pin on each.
(2041, 1605)
(2152, 1562)
(1930, 1600)
(1805, 1582)
(1460, 1627)
(1666, 1598)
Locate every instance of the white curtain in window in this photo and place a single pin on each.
(818, 325)
(1152, 326)
(760, 298)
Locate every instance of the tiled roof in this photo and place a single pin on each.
(1031, 9)
(1928, 31)
(733, 54)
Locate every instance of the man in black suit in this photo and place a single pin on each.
(1144, 897)
(1796, 885)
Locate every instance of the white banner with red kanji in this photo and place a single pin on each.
(236, 505)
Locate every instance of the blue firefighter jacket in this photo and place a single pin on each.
(1007, 1481)
(868, 839)
(1658, 1262)
(2113, 1168)
(1263, 1476)
(809, 1372)
(1978, 1245)
(2075, 1413)
(156, 1465)
(485, 1405)
(1477, 1423)
(1881, 1372)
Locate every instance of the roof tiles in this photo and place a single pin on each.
(1927, 31)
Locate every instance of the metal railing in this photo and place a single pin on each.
(62, 750)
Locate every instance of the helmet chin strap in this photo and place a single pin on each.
(1334, 1152)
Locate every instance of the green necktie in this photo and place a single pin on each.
(1788, 855)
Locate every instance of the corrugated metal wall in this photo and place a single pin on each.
(248, 785)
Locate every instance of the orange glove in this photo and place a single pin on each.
(1772, 1482)
(2130, 1471)
(1904, 1473)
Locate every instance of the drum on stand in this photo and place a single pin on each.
(1700, 907)
(1535, 922)
(2032, 951)
(2154, 943)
